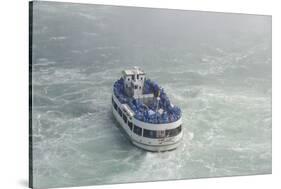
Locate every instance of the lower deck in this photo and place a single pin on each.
(141, 136)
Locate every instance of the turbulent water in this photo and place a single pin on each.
(216, 67)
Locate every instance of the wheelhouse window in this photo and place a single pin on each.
(130, 125)
(137, 130)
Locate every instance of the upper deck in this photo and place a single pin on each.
(152, 105)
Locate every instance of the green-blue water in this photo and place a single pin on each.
(215, 66)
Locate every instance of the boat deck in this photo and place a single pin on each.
(153, 106)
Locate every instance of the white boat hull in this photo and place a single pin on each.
(157, 148)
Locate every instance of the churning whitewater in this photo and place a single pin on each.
(216, 67)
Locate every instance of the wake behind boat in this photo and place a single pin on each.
(145, 112)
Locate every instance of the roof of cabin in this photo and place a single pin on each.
(134, 71)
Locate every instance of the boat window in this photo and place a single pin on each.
(128, 79)
(133, 77)
(137, 130)
(120, 112)
(149, 133)
(115, 106)
(173, 132)
(153, 134)
(140, 87)
(136, 87)
(160, 134)
(130, 125)
(137, 76)
(125, 118)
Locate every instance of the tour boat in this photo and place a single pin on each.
(145, 113)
